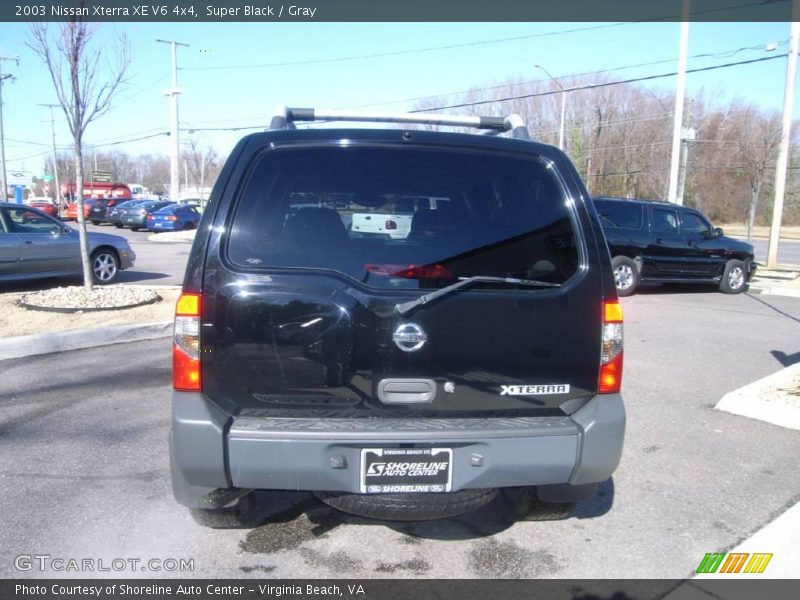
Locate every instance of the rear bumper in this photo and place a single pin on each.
(211, 450)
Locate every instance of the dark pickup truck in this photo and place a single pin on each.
(657, 242)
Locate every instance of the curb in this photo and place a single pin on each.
(160, 238)
(47, 343)
(749, 401)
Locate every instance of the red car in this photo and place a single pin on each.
(72, 209)
(43, 204)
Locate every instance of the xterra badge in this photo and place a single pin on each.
(534, 390)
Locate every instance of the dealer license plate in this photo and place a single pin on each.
(403, 470)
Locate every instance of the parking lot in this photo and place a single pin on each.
(84, 465)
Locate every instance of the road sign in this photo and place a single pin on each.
(101, 176)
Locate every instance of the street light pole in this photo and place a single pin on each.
(55, 154)
(3, 176)
(563, 105)
(783, 149)
(680, 93)
(174, 161)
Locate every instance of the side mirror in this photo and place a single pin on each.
(718, 232)
(56, 230)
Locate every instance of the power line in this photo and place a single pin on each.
(599, 85)
(721, 54)
(405, 52)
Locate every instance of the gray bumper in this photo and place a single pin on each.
(211, 450)
(126, 258)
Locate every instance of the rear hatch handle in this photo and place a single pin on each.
(406, 307)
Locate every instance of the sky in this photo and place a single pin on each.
(234, 74)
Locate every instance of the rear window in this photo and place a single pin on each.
(403, 217)
(627, 215)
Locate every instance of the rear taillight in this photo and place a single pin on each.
(171, 218)
(391, 225)
(610, 380)
(186, 344)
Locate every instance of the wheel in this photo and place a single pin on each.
(526, 505)
(626, 275)
(734, 278)
(134, 228)
(188, 226)
(95, 222)
(118, 225)
(241, 516)
(105, 266)
(408, 507)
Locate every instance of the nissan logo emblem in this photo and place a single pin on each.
(409, 337)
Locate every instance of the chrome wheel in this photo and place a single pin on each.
(736, 278)
(104, 267)
(623, 277)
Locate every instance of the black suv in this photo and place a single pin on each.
(102, 206)
(658, 242)
(403, 377)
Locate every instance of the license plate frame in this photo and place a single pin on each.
(405, 470)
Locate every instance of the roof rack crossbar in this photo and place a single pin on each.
(285, 117)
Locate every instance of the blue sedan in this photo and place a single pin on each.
(175, 217)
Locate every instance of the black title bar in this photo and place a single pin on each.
(227, 11)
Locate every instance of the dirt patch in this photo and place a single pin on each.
(490, 558)
(18, 321)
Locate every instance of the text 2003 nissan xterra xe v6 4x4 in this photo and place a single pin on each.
(396, 377)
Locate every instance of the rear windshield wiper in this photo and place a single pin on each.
(405, 307)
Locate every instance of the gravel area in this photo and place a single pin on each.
(16, 320)
(99, 298)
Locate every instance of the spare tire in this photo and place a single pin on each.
(408, 507)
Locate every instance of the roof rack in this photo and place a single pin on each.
(286, 117)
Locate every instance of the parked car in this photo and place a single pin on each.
(72, 209)
(101, 207)
(478, 357)
(173, 217)
(114, 214)
(34, 245)
(658, 242)
(135, 216)
(44, 204)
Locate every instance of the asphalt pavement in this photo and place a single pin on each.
(84, 469)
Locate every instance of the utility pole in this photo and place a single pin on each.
(687, 137)
(55, 155)
(783, 148)
(3, 176)
(174, 161)
(563, 105)
(680, 93)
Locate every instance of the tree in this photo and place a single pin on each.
(82, 91)
(200, 164)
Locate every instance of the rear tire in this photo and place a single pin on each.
(734, 278)
(525, 505)
(118, 225)
(134, 229)
(408, 507)
(188, 227)
(626, 275)
(95, 222)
